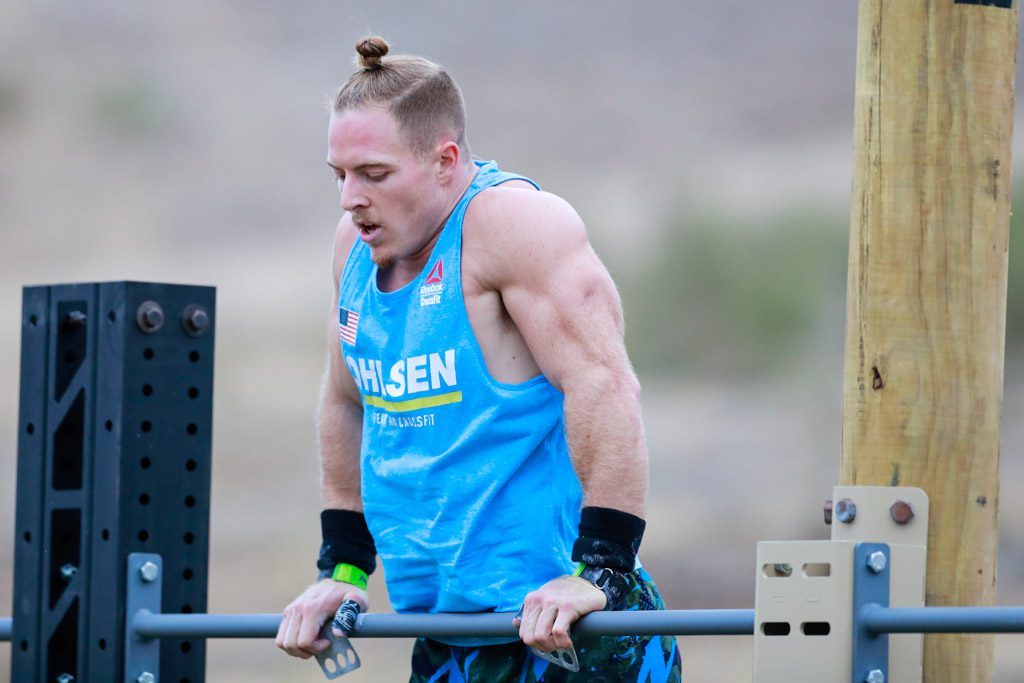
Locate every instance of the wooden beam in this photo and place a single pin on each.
(926, 300)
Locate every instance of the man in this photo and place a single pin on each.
(477, 396)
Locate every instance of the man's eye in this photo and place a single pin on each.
(376, 177)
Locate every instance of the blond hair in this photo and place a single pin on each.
(423, 98)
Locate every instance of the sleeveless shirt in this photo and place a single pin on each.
(467, 484)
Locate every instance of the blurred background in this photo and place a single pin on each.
(707, 146)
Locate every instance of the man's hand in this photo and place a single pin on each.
(306, 615)
(549, 611)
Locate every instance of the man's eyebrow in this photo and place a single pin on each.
(363, 166)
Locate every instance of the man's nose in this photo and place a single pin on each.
(351, 196)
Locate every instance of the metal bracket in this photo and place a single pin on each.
(871, 563)
(807, 609)
(877, 520)
(144, 585)
(802, 611)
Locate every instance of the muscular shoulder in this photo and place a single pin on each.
(344, 237)
(497, 210)
(510, 228)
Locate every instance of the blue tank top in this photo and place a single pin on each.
(467, 484)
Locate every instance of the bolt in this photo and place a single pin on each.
(74, 320)
(828, 512)
(68, 571)
(149, 571)
(782, 569)
(145, 677)
(65, 678)
(877, 562)
(195, 320)
(845, 510)
(875, 676)
(901, 512)
(149, 317)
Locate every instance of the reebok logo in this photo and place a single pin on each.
(430, 292)
(436, 273)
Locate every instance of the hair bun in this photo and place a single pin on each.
(370, 50)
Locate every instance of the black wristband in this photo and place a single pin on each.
(608, 538)
(347, 540)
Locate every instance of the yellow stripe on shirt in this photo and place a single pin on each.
(413, 403)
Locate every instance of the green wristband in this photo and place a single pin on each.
(579, 569)
(350, 574)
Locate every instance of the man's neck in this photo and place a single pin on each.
(461, 181)
(407, 269)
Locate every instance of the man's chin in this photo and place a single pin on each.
(381, 260)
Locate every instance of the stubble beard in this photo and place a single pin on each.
(382, 261)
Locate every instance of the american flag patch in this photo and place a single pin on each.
(348, 324)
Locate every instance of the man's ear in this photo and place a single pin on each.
(448, 156)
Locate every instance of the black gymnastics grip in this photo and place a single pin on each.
(345, 617)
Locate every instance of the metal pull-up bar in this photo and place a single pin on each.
(876, 618)
(723, 622)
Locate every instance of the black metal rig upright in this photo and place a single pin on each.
(114, 439)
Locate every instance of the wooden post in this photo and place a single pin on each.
(926, 301)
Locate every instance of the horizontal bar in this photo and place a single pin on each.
(665, 622)
(6, 628)
(150, 625)
(875, 618)
(878, 619)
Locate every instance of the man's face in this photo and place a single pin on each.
(394, 196)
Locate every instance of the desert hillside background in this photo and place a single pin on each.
(706, 145)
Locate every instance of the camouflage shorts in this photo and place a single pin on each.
(606, 659)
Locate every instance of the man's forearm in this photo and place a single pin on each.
(340, 432)
(606, 439)
(347, 543)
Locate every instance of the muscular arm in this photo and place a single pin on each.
(566, 307)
